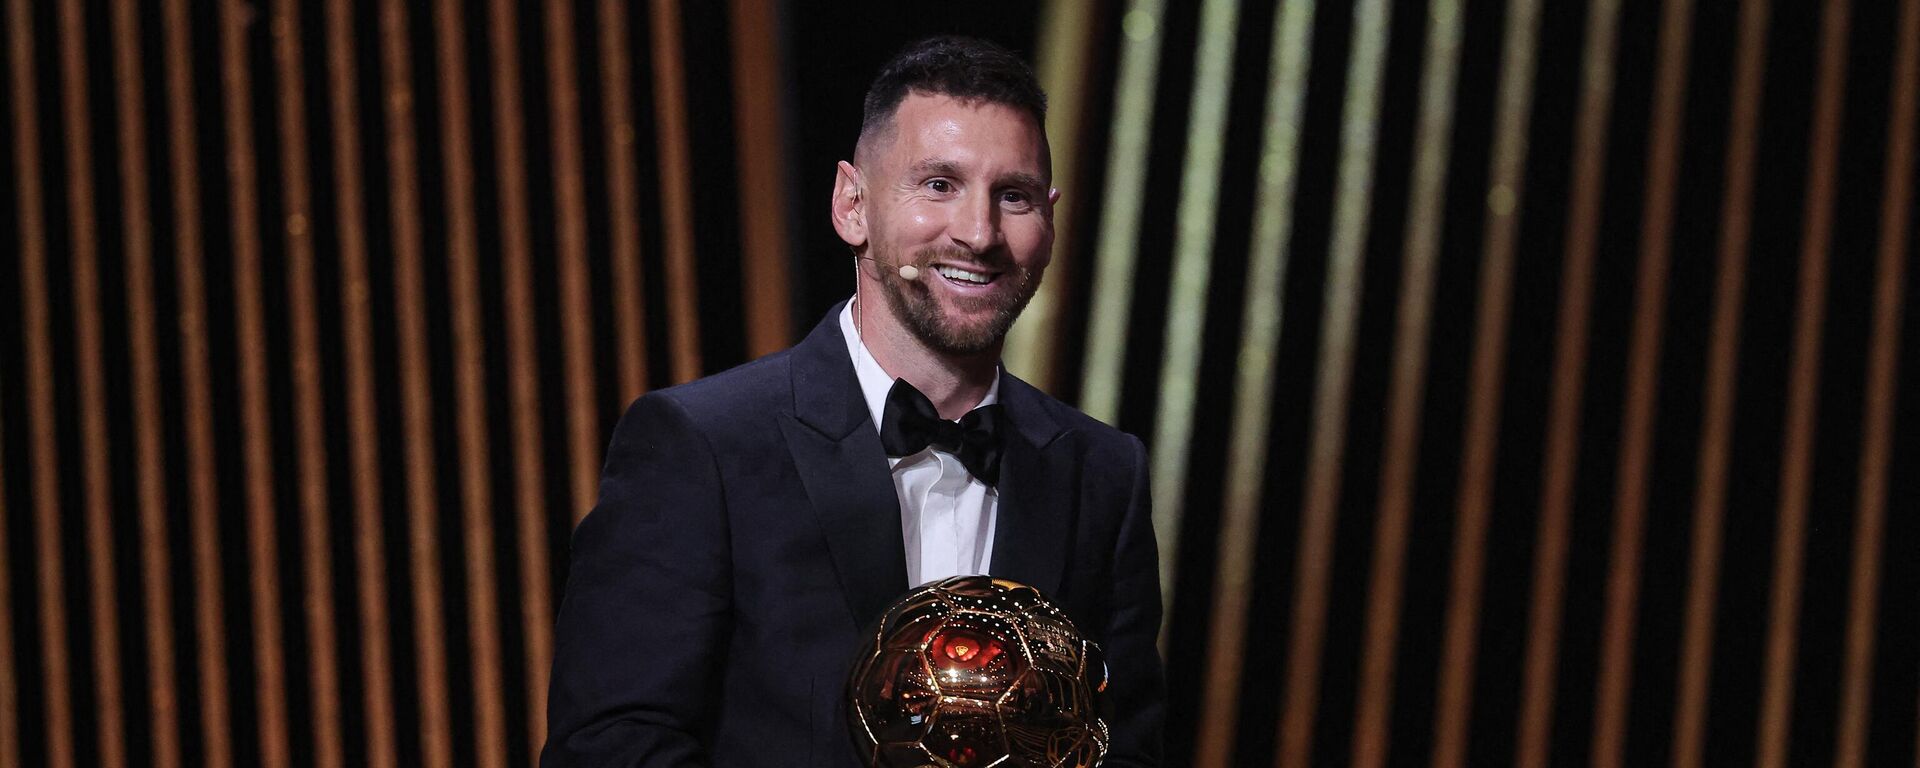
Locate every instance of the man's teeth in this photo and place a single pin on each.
(961, 275)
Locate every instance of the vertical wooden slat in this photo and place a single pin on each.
(576, 304)
(429, 631)
(1454, 704)
(256, 426)
(363, 445)
(1119, 240)
(1287, 64)
(149, 458)
(1703, 569)
(31, 244)
(42, 446)
(623, 193)
(1187, 289)
(1876, 428)
(1776, 699)
(196, 389)
(309, 424)
(676, 190)
(1192, 259)
(469, 374)
(1426, 213)
(762, 181)
(1559, 466)
(1643, 361)
(523, 363)
(1334, 366)
(97, 484)
(40, 383)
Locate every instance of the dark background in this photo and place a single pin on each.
(401, 615)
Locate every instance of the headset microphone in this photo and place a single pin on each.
(907, 272)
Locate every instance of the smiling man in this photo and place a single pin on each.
(751, 524)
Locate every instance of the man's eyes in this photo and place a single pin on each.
(1014, 198)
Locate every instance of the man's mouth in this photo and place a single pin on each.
(965, 277)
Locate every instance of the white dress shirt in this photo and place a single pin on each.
(946, 514)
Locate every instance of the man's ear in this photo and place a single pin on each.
(850, 205)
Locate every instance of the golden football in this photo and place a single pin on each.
(977, 672)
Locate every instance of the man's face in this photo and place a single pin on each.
(960, 190)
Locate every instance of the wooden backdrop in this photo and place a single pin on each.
(1526, 382)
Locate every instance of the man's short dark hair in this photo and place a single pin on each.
(964, 68)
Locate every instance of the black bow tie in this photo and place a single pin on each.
(911, 423)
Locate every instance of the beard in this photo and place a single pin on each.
(930, 322)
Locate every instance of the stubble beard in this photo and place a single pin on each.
(929, 322)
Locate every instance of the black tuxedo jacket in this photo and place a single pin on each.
(748, 531)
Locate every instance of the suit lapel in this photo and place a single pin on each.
(1033, 534)
(844, 471)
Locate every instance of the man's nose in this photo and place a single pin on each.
(975, 225)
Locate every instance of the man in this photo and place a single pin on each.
(751, 524)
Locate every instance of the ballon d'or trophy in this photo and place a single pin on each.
(976, 672)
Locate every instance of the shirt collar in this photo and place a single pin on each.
(875, 382)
